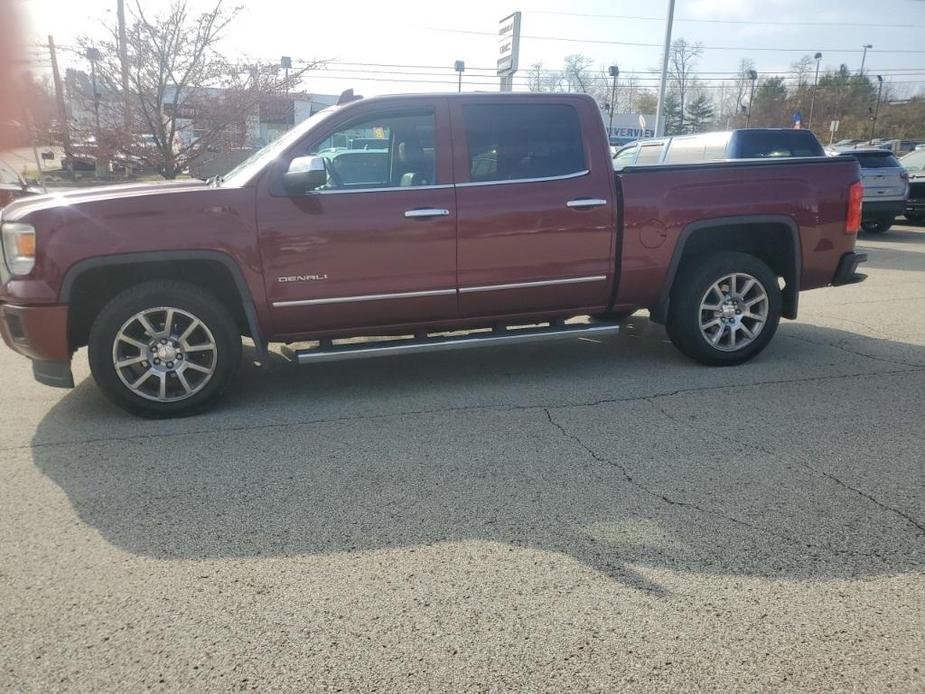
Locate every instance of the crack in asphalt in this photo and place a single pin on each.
(856, 353)
(447, 410)
(801, 463)
(713, 513)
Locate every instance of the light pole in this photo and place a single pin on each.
(93, 54)
(614, 72)
(864, 57)
(873, 124)
(812, 101)
(460, 67)
(286, 62)
(753, 76)
(660, 109)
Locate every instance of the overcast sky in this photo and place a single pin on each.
(773, 33)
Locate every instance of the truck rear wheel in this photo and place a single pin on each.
(724, 309)
(163, 349)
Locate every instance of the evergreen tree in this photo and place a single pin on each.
(699, 114)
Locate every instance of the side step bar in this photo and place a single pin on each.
(503, 336)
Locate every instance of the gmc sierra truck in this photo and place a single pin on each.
(462, 221)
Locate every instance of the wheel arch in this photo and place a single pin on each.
(779, 246)
(208, 269)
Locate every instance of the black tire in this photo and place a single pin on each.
(915, 218)
(690, 288)
(218, 329)
(878, 225)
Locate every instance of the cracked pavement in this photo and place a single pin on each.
(600, 516)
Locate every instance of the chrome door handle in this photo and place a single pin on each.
(586, 202)
(427, 212)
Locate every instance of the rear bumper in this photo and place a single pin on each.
(846, 272)
(882, 208)
(915, 205)
(40, 333)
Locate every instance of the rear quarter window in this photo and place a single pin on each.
(696, 148)
(649, 154)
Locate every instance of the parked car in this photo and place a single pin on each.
(914, 164)
(514, 218)
(751, 143)
(886, 185)
(13, 187)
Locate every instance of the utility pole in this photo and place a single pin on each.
(660, 110)
(864, 57)
(126, 97)
(753, 76)
(286, 62)
(93, 54)
(59, 100)
(812, 102)
(123, 60)
(873, 125)
(460, 67)
(614, 72)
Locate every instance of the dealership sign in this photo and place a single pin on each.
(631, 126)
(508, 44)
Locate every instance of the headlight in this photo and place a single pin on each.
(18, 247)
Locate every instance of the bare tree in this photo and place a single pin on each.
(681, 63)
(742, 83)
(188, 98)
(578, 75)
(539, 79)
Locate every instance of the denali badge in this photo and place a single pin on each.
(301, 278)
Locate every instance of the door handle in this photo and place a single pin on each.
(427, 212)
(586, 202)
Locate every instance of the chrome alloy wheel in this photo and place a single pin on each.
(164, 354)
(733, 311)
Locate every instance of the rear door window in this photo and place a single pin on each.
(509, 142)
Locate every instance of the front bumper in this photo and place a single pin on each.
(846, 272)
(40, 333)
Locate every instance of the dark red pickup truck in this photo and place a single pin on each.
(414, 216)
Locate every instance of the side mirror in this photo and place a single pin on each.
(305, 174)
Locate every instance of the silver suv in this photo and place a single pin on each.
(886, 185)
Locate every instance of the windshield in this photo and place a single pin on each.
(914, 161)
(248, 168)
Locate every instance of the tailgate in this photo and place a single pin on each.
(882, 183)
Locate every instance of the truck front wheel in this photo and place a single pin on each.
(163, 349)
(724, 309)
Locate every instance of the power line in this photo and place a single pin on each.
(658, 45)
(728, 21)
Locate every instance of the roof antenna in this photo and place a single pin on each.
(347, 96)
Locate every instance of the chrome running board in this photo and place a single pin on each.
(327, 351)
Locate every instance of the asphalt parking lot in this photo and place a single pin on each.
(588, 516)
